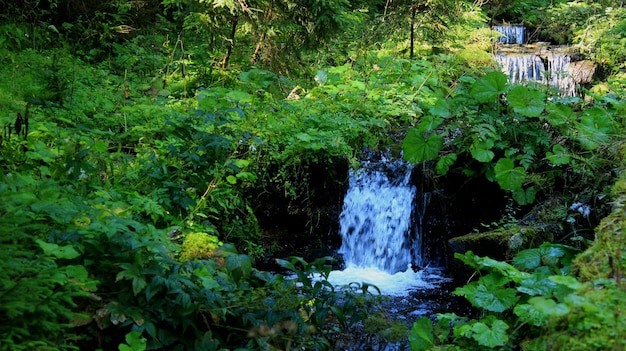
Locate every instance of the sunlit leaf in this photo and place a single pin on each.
(559, 114)
(481, 152)
(489, 87)
(419, 147)
(526, 101)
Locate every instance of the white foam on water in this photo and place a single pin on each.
(397, 284)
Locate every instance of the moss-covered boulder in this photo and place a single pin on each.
(500, 244)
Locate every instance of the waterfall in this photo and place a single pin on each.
(522, 68)
(376, 218)
(537, 63)
(560, 77)
(380, 227)
(511, 34)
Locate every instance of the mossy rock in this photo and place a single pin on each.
(500, 244)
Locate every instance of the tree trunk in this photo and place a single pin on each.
(231, 43)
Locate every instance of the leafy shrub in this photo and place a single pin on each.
(512, 135)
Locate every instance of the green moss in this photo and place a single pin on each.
(198, 246)
(596, 322)
(500, 243)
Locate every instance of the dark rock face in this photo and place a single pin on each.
(306, 225)
(457, 205)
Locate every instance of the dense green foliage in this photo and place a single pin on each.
(135, 135)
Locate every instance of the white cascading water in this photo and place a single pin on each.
(522, 67)
(379, 245)
(511, 34)
(530, 67)
(560, 77)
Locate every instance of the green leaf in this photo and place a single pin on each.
(493, 336)
(139, 283)
(495, 300)
(207, 279)
(419, 147)
(508, 176)
(441, 109)
(524, 197)
(527, 259)
(421, 337)
(135, 342)
(526, 101)
(481, 151)
(559, 114)
(548, 307)
(558, 156)
(444, 163)
(240, 266)
(489, 87)
(231, 179)
(57, 251)
(567, 281)
(594, 128)
(528, 314)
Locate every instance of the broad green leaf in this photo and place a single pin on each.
(524, 197)
(57, 251)
(444, 163)
(240, 96)
(548, 306)
(527, 259)
(240, 266)
(495, 300)
(419, 147)
(481, 151)
(139, 283)
(559, 155)
(441, 109)
(567, 281)
(429, 123)
(493, 336)
(536, 284)
(489, 87)
(528, 314)
(559, 114)
(207, 279)
(135, 342)
(508, 176)
(595, 127)
(527, 101)
(421, 337)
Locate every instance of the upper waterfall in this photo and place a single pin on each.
(539, 62)
(511, 34)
